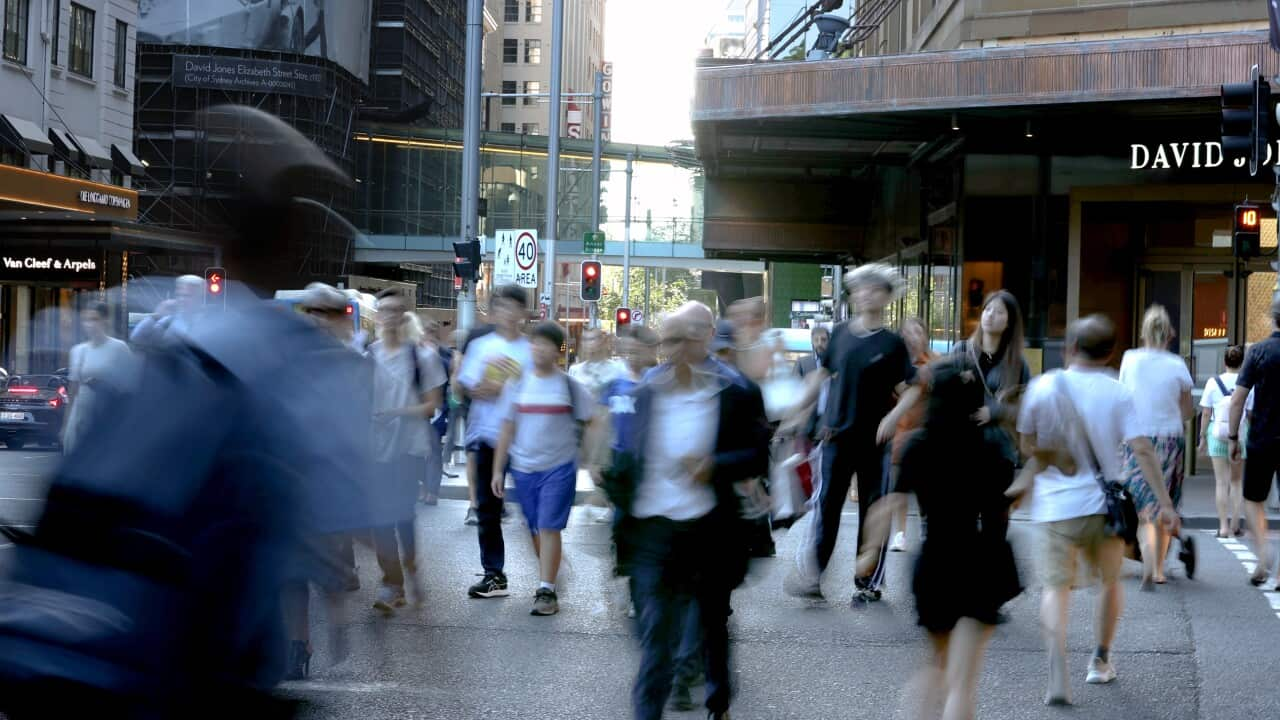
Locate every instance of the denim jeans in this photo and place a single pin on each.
(672, 576)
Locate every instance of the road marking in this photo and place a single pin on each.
(1249, 561)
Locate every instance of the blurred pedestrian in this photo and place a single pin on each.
(102, 371)
(936, 465)
(491, 362)
(754, 346)
(1074, 424)
(1161, 388)
(1259, 382)
(430, 494)
(819, 336)
(909, 419)
(464, 409)
(172, 317)
(867, 365)
(543, 414)
(598, 366)
(1215, 419)
(699, 430)
(407, 392)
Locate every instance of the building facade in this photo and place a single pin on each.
(1067, 152)
(418, 60)
(519, 61)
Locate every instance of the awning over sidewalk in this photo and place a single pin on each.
(95, 155)
(24, 135)
(125, 162)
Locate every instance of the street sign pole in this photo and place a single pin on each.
(553, 153)
(626, 240)
(597, 140)
(471, 153)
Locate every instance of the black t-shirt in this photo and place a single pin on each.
(1261, 371)
(865, 371)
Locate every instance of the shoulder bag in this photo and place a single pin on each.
(1121, 513)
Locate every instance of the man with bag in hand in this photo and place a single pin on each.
(1074, 424)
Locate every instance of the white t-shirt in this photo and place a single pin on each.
(113, 365)
(1157, 379)
(494, 357)
(596, 375)
(393, 388)
(1106, 410)
(683, 424)
(547, 417)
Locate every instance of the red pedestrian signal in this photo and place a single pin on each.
(590, 277)
(215, 287)
(622, 318)
(1246, 235)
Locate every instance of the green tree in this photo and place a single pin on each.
(663, 296)
(795, 53)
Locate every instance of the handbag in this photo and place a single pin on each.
(1121, 513)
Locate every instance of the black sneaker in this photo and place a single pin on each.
(471, 518)
(490, 586)
(544, 602)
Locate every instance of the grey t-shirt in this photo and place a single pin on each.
(393, 388)
(546, 413)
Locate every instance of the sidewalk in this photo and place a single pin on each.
(1198, 509)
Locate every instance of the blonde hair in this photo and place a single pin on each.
(880, 274)
(1157, 328)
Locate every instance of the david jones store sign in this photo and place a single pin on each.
(1171, 156)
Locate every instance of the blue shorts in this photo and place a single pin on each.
(546, 497)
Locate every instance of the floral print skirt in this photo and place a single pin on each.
(1170, 453)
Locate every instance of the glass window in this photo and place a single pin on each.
(509, 88)
(530, 129)
(16, 19)
(122, 52)
(532, 86)
(511, 11)
(533, 11)
(57, 30)
(80, 61)
(508, 127)
(533, 52)
(510, 51)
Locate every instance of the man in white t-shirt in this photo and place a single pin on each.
(407, 387)
(490, 363)
(1067, 420)
(544, 413)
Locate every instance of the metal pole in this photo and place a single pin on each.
(471, 151)
(596, 142)
(553, 154)
(626, 240)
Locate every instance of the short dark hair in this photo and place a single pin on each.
(644, 335)
(1093, 336)
(1233, 358)
(101, 308)
(549, 330)
(514, 293)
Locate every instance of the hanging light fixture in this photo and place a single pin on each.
(955, 122)
(1029, 133)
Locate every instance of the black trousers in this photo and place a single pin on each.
(488, 512)
(843, 457)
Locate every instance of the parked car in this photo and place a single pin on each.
(32, 410)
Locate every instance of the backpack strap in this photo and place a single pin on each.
(1221, 385)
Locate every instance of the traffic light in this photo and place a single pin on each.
(466, 260)
(1246, 121)
(590, 281)
(215, 287)
(1246, 231)
(622, 319)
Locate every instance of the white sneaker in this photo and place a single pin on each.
(899, 543)
(1101, 672)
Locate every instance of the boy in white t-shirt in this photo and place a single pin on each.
(1070, 419)
(541, 433)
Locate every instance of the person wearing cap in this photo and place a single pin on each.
(1261, 375)
(867, 364)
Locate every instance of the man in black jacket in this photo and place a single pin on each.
(699, 432)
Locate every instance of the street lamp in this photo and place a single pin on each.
(830, 28)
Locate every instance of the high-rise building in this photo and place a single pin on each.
(419, 60)
(725, 38)
(520, 62)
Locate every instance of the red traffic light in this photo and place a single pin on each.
(591, 271)
(622, 317)
(215, 285)
(590, 279)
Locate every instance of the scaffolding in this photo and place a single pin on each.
(194, 174)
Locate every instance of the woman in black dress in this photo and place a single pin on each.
(956, 553)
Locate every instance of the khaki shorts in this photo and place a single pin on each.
(1062, 541)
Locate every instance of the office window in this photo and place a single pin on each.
(511, 11)
(533, 52)
(122, 52)
(16, 19)
(80, 61)
(57, 31)
(508, 127)
(532, 86)
(533, 11)
(530, 129)
(509, 88)
(510, 51)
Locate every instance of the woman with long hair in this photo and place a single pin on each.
(1161, 387)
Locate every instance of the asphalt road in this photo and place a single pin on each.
(1202, 649)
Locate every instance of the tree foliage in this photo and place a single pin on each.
(663, 296)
